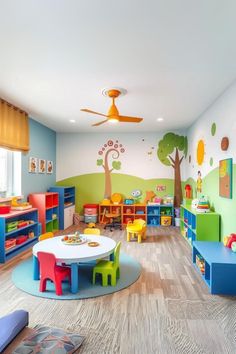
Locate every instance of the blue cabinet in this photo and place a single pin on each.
(156, 212)
(66, 204)
(220, 266)
(15, 227)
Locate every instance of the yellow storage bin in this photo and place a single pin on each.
(166, 220)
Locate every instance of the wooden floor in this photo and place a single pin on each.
(168, 310)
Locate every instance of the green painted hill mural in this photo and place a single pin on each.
(90, 187)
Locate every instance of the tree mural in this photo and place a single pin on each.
(110, 151)
(173, 143)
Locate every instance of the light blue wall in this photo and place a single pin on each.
(43, 146)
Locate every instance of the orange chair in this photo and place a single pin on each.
(49, 270)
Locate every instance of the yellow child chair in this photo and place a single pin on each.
(46, 236)
(91, 231)
(111, 268)
(137, 228)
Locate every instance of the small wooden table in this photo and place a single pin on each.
(73, 254)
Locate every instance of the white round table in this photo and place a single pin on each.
(73, 254)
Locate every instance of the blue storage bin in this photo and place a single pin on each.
(90, 218)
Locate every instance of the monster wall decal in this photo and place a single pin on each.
(110, 151)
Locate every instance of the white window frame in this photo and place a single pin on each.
(12, 183)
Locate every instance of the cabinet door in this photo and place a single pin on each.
(68, 216)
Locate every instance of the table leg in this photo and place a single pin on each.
(74, 278)
(112, 257)
(35, 268)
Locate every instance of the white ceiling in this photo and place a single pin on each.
(174, 57)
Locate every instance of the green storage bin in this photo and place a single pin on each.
(11, 226)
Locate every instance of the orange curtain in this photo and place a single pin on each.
(14, 127)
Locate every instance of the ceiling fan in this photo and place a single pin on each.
(113, 115)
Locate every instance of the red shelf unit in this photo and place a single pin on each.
(48, 207)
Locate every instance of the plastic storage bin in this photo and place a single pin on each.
(166, 220)
(90, 218)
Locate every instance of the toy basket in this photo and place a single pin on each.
(166, 220)
(5, 209)
(10, 243)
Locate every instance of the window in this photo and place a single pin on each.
(10, 173)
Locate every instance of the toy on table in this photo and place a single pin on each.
(188, 191)
(137, 195)
(15, 205)
(149, 196)
(203, 205)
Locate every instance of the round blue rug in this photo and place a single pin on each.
(130, 269)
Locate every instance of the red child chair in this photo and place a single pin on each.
(49, 270)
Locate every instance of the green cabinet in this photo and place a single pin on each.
(196, 226)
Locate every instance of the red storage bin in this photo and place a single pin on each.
(5, 209)
(90, 209)
(21, 239)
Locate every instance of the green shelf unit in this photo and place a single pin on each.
(196, 226)
(14, 217)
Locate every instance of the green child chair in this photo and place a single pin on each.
(111, 268)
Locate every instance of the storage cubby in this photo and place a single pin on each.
(220, 266)
(18, 229)
(199, 226)
(155, 212)
(66, 204)
(48, 209)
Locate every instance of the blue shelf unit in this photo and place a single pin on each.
(33, 228)
(154, 213)
(66, 200)
(220, 266)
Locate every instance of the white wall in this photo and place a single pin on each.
(77, 154)
(223, 113)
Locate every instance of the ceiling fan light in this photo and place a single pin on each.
(113, 120)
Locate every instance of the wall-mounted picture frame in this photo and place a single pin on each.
(33, 165)
(225, 178)
(42, 166)
(49, 167)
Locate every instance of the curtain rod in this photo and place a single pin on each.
(15, 107)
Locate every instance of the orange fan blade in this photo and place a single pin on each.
(99, 123)
(89, 111)
(130, 119)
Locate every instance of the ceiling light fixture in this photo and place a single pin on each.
(113, 120)
(160, 119)
(72, 121)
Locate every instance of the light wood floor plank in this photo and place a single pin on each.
(168, 310)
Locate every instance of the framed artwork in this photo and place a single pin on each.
(33, 164)
(225, 178)
(49, 167)
(42, 166)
